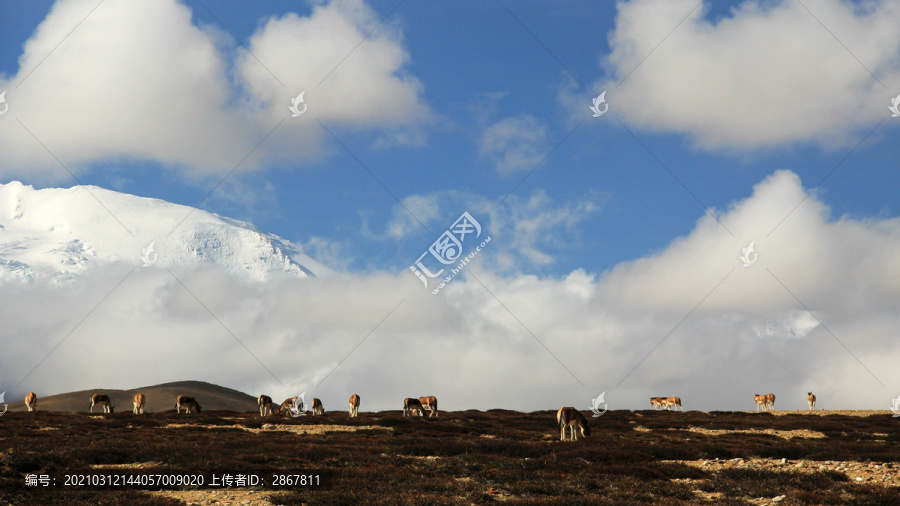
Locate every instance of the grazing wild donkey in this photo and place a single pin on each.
(411, 407)
(429, 403)
(285, 408)
(102, 400)
(572, 418)
(138, 402)
(188, 403)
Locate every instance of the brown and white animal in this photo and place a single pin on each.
(265, 405)
(770, 401)
(317, 407)
(138, 402)
(760, 401)
(354, 405)
(411, 406)
(572, 418)
(673, 401)
(102, 400)
(657, 402)
(812, 401)
(288, 403)
(188, 403)
(31, 401)
(429, 403)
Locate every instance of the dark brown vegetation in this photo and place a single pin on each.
(463, 457)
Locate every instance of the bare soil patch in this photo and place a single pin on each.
(828, 412)
(785, 434)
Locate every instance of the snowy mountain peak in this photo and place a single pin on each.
(56, 234)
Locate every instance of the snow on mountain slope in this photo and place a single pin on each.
(56, 234)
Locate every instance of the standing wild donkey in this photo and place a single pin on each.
(265, 405)
(760, 401)
(31, 401)
(354, 406)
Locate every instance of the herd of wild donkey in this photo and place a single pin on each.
(567, 417)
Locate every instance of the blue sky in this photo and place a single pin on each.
(478, 65)
(452, 105)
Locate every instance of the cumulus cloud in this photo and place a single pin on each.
(115, 88)
(737, 331)
(515, 143)
(768, 74)
(367, 89)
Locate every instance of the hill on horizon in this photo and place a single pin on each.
(158, 398)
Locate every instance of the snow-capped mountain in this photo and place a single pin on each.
(57, 234)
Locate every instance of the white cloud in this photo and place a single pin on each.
(766, 75)
(368, 90)
(536, 225)
(515, 143)
(330, 252)
(530, 230)
(464, 347)
(118, 88)
(409, 217)
(796, 323)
